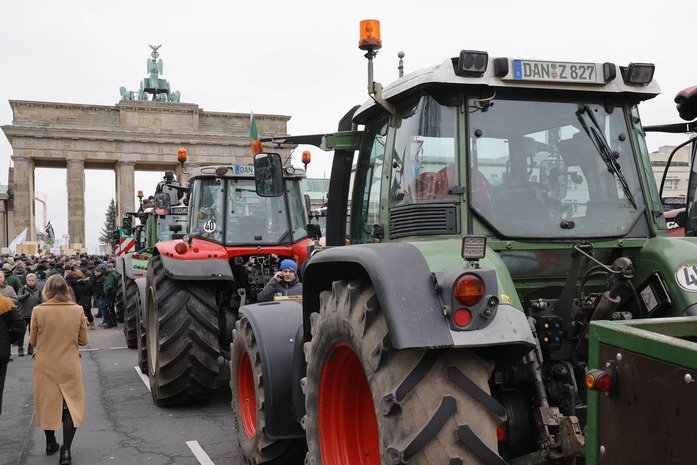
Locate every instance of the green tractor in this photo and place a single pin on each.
(162, 222)
(497, 207)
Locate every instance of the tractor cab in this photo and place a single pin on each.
(226, 209)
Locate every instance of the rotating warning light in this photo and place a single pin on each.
(369, 38)
(307, 157)
(181, 155)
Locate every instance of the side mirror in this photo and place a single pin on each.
(162, 204)
(555, 174)
(268, 174)
(127, 224)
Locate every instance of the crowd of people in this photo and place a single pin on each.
(50, 299)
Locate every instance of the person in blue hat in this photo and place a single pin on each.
(283, 283)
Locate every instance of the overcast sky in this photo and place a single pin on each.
(300, 58)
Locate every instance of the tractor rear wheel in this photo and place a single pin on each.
(182, 337)
(368, 403)
(247, 387)
(130, 314)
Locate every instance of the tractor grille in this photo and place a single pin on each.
(424, 219)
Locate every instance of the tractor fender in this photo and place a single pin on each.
(402, 281)
(197, 264)
(275, 325)
(128, 268)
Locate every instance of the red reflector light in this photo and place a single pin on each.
(220, 171)
(500, 433)
(181, 247)
(462, 317)
(468, 289)
(599, 380)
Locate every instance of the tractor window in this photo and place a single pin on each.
(424, 164)
(254, 220)
(298, 213)
(541, 169)
(369, 176)
(163, 224)
(207, 212)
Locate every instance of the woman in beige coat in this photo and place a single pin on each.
(58, 327)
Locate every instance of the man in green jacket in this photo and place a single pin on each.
(10, 278)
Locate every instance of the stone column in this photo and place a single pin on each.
(75, 181)
(23, 193)
(125, 189)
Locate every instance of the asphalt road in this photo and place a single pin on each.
(122, 424)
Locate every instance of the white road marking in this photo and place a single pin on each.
(199, 453)
(145, 379)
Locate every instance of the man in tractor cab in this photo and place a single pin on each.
(166, 186)
(283, 283)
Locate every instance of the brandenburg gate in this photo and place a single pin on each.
(136, 134)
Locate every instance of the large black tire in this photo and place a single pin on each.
(130, 314)
(183, 337)
(368, 403)
(141, 339)
(247, 387)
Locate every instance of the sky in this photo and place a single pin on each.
(300, 58)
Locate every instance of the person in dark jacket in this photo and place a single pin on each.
(98, 287)
(110, 289)
(11, 328)
(29, 297)
(283, 283)
(10, 278)
(84, 288)
(20, 272)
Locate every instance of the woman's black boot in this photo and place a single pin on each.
(65, 458)
(52, 445)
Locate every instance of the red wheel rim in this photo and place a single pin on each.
(348, 428)
(247, 394)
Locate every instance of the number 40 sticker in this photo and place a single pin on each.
(687, 277)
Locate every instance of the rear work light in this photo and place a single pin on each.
(468, 290)
(599, 380)
(181, 247)
(639, 73)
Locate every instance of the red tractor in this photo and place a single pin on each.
(196, 285)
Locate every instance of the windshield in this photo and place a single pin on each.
(229, 211)
(553, 169)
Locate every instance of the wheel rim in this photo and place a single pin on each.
(247, 394)
(347, 425)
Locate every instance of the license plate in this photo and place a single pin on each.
(557, 71)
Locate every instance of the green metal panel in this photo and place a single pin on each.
(665, 339)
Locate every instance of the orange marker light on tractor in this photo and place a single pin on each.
(181, 155)
(599, 380)
(370, 35)
(468, 290)
(181, 247)
(307, 157)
